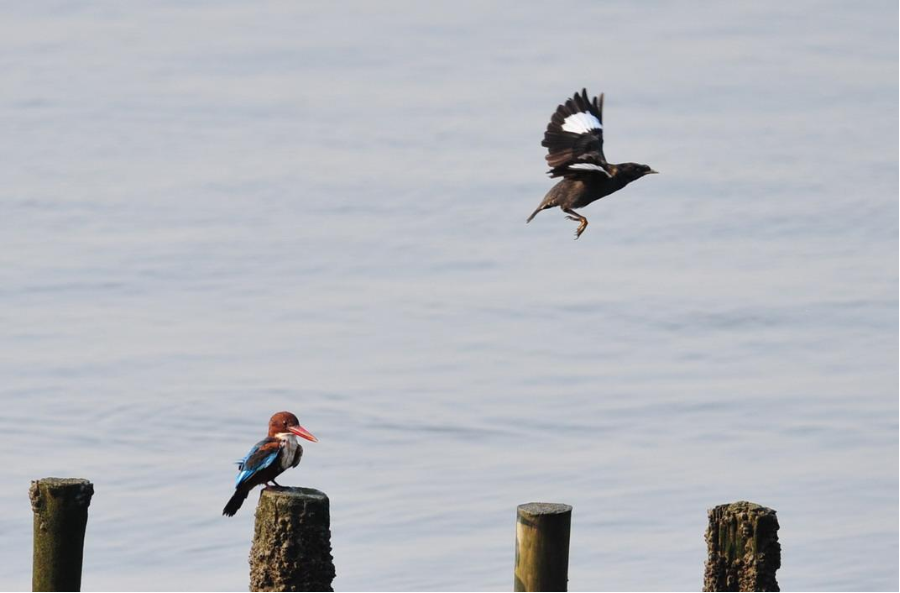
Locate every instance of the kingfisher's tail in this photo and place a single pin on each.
(240, 495)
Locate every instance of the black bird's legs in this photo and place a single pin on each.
(276, 483)
(577, 218)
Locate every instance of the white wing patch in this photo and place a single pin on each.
(581, 123)
(590, 167)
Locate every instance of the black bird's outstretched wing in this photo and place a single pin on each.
(574, 137)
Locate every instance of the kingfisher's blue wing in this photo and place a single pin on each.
(262, 455)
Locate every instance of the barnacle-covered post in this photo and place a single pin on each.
(743, 549)
(292, 541)
(542, 547)
(60, 508)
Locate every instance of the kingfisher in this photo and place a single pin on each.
(269, 458)
(574, 141)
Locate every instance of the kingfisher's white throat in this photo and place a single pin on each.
(289, 448)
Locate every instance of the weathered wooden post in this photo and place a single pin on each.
(542, 547)
(743, 549)
(60, 508)
(292, 541)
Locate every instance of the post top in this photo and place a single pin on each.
(741, 506)
(544, 508)
(73, 491)
(62, 482)
(294, 492)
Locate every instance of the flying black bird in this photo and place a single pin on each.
(574, 139)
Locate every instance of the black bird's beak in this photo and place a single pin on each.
(652, 172)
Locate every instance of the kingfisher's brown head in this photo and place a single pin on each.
(285, 422)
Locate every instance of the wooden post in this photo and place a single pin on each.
(292, 541)
(743, 548)
(542, 547)
(60, 508)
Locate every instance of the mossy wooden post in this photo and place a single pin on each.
(60, 508)
(542, 547)
(743, 548)
(292, 541)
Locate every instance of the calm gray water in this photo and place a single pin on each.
(213, 211)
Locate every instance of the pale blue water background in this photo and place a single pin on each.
(213, 211)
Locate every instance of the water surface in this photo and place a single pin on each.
(217, 210)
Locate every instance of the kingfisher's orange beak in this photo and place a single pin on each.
(302, 432)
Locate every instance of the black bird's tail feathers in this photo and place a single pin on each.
(240, 495)
(549, 201)
(533, 214)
